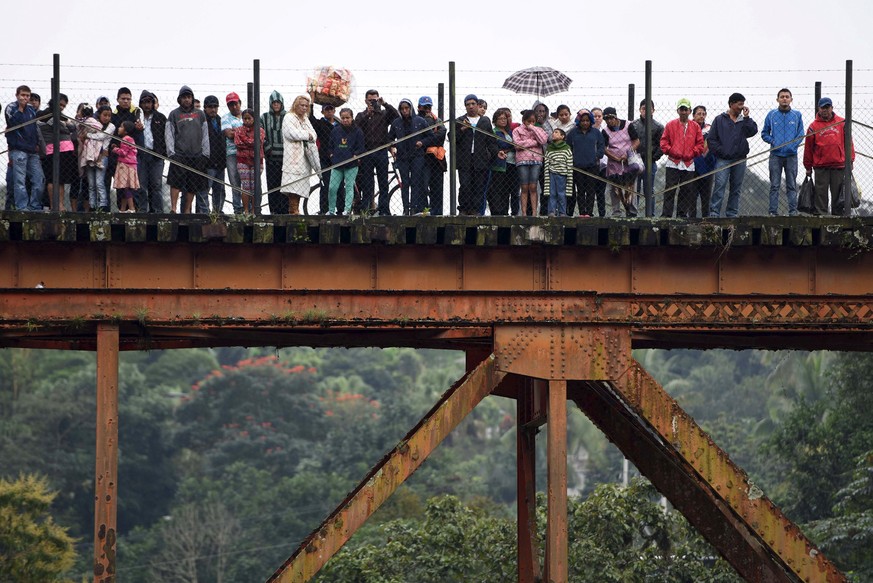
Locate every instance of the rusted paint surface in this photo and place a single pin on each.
(213, 310)
(713, 469)
(556, 536)
(106, 472)
(389, 474)
(561, 352)
(526, 418)
(656, 270)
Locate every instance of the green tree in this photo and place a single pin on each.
(619, 535)
(847, 537)
(33, 549)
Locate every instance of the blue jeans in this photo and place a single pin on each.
(233, 179)
(735, 175)
(25, 164)
(558, 194)
(378, 162)
(217, 188)
(150, 196)
(777, 165)
(414, 181)
(97, 193)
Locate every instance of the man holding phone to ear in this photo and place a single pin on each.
(374, 122)
(729, 141)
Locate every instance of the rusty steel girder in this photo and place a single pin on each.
(623, 268)
(314, 552)
(701, 481)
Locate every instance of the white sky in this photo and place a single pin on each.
(700, 50)
(404, 48)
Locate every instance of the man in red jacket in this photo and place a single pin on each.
(681, 141)
(825, 152)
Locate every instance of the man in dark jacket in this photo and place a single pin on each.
(476, 147)
(729, 142)
(217, 159)
(434, 166)
(374, 122)
(23, 146)
(639, 126)
(150, 168)
(323, 129)
(408, 153)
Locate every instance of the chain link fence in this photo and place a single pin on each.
(402, 167)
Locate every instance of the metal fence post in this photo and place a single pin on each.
(453, 161)
(56, 133)
(630, 101)
(817, 97)
(847, 131)
(441, 96)
(647, 176)
(256, 102)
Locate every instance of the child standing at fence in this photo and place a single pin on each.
(244, 138)
(96, 134)
(126, 179)
(346, 141)
(529, 141)
(558, 173)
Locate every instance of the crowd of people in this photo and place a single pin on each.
(556, 164)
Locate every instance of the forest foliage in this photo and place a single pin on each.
(229, 457)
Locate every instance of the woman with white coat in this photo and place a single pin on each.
(300, 156)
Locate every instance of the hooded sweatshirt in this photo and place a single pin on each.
(272, 124)
(187, 133)
(402, 127)
(826, 144)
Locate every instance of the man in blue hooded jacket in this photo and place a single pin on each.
(24, 152)
(783, 127)
(409, 149)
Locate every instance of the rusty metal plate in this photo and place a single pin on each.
(562, 352)
(590, 268)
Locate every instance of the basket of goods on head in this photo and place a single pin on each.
(330, 85)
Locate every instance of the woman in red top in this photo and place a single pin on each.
(244, 138)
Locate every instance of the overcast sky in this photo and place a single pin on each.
(404, 48)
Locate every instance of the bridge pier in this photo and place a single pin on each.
(106, 471)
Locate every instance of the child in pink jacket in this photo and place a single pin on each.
(126, 179)
(529, 141)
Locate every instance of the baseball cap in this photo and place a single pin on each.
(471, 97)
(231, 97)
(425, 100)
(683, 103)
(825, 101)
(610, 111)
(210, 101)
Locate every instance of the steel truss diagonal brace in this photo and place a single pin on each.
(317, 549)
(701, 481)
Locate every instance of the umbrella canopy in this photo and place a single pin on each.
(539, 81)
